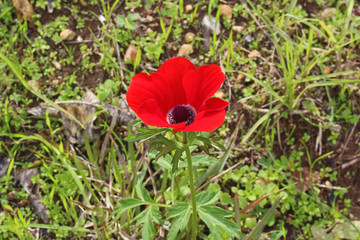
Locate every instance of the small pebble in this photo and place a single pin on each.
(327, 70)
(248, 39)
(34, 85)
(67, 34)
(185, 50)
(56, 64)
(189, 37)
(102, 18)
(254, 53)
(79, 39)
(188, 8)
(211, 24)
(328, 13)
(226, 11)
(240, 78)
(238, 29)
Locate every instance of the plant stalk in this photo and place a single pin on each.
(192, 187)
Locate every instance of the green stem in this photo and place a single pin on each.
(192, 188)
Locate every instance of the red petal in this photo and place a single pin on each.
(202, 84)
(209, 119)
(174, 70)
(165, 86)
(153, 86)
(216, 104)
(150, 113)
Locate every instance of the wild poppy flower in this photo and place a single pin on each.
(179, 95)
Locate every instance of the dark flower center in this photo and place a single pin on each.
(181, 113)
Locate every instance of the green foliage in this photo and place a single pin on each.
(304, 80)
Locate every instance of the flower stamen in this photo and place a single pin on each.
(181, 113)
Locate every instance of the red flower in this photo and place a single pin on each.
(178, 95)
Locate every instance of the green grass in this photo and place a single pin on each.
(261, 174)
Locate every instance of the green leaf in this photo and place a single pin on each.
(125, 204)
(145, 134)
(142, 193)
(177, 209)
(207, 198)
(202, 159)
(128, 203)
(146, 217)
(165, 162)
(175, 160)
(216, 219)
(255, 233)
(179, 223)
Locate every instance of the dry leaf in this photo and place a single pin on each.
(23, 9)
(4, 164)
(24, 177)
(81, 110)
(131, 53)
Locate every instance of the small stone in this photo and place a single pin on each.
(79, 39)
(148, 19)
(188, 8)
(67, 34)
(34, 85)
(240, 78)
(225, 11)
(149, 30)
(50, 7)
(56, 64)
(327, 70)
(11, 195)
(211, 24)
(328, 13)
(248, 39)
(254, 53)
(238, 29)
(131, 53)
(102, 18)
(328, 185)
(189, 37)
(186, 50)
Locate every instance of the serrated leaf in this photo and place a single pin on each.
(148, 228)
(208, 142)
(207, 198)
(179, 223)
(146, 217)
(125, 204)
(128, 203)
(177, 209)
(175, 160)
(145, 134)
(198, 160)
(216, 218)
(163, 151)
(165, 162)
(142, 193)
